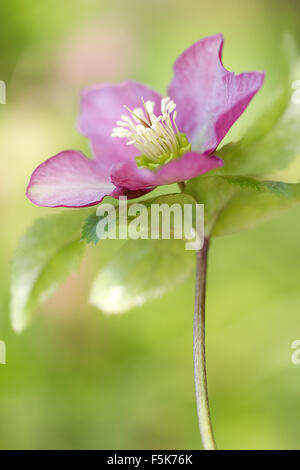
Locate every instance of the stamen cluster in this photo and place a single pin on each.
(156, 137)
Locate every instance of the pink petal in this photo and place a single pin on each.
(189, 166)
(110, 151)
(101, 108)
(130, 194)
(68, 180)
(209, 99)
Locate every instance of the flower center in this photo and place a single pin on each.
(156, 137)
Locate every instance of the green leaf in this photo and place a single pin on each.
(47, 253)
(219, 194)
(88, 233)
(140, 271)
(214, 192)
(275, 152)
(276, 187)
(247, 208)
(176, 198)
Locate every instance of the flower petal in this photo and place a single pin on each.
(190, 165)
(101, 108)
(68, 180)
(209, 98)
(130, 194)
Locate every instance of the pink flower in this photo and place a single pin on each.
(140, 141)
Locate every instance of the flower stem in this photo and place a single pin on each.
(204, 419)
(181, 185)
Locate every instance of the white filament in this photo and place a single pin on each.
(152, 135)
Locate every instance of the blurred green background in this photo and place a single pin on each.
(77, 379)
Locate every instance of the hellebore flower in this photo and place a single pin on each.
(138, 139)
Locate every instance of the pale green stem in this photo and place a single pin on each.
(204, 418)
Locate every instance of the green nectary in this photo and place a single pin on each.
(183, 147)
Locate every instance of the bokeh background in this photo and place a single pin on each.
(77, 379)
